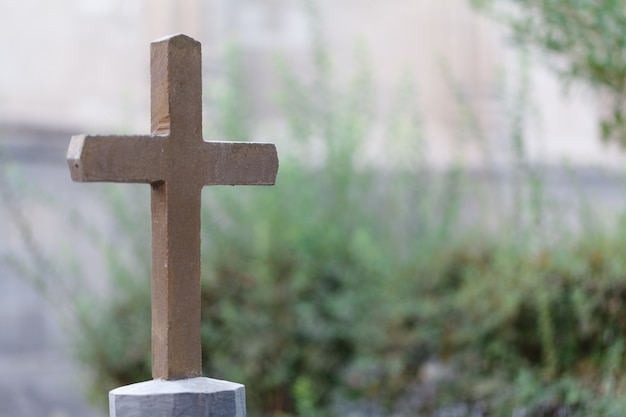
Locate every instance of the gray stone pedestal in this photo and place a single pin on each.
(195, 397)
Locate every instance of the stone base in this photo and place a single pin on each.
(194, 397)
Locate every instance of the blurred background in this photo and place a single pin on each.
(99, 80)
(441, 158)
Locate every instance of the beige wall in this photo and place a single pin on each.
(84, 63)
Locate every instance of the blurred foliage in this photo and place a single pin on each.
(371, 280)
(585, 42)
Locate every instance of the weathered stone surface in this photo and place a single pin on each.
(177, 163)
(195, 397)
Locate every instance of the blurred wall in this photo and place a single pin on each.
(84, 64)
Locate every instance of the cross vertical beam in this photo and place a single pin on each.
(177, 163)
(176, 348)
(176, 110)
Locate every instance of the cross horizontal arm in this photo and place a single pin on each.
(136, 159)
(238, 163)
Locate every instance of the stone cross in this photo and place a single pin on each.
(177, 163)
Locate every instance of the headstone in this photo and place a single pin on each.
(177, 163)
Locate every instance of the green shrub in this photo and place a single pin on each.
(583, 41)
